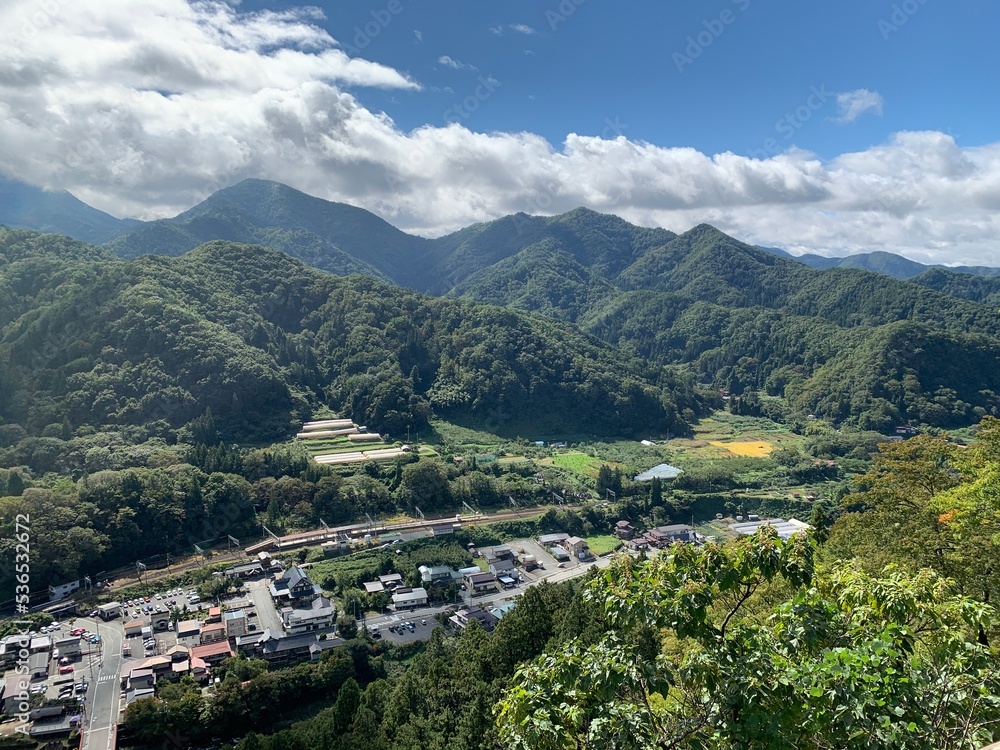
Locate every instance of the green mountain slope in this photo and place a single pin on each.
(889, 264)
(262, 340)
(975, 288)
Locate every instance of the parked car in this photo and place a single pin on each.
(376, 633)
(39, 688)
(81, 687)
(66, 669)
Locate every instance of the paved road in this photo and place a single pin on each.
(103, 694)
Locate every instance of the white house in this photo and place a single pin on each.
(409, 598)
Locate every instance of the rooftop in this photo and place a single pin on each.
(662, 471)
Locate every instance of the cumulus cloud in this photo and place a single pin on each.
(852, 104)
(419, 35)
(522, 28)
(145, 109)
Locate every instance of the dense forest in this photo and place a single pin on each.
(839, 342)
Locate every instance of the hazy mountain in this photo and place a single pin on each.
(889, 264)
(23, 206)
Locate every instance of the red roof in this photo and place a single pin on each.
(222, 648)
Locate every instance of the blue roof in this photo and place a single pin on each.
(663, 471)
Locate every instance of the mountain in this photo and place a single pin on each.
(889, 264)
(985, 290)
(260, 339)
(333, 237)
(27, 207)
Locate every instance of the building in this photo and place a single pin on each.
(110, 611)
(559, 553)
(40, 644)
(442, 529)
(159, 620)
(69, 646)
(214, 615)
(784, 529)
(38, 666)
(62, 590)
(409, 598)
(212, 653)
(247, 570)
(480, 582)
(293, 585)
(461, 619)
(548, 540)
(373, 587)
(663, 472)
(212, 633)
(530, 562)
(624, 530)
(678, 532)
(578, 548)
(15, 690)
(500, 552)
(189, 633)
(235, 623)
(435, 573)
(319, 614)
(133, 628)
(317, 649)
(278, 649)
(501, 567)
(391, 580)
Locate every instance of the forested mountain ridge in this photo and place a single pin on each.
(262, 340)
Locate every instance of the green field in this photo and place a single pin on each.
(602, 544)
(574, 461)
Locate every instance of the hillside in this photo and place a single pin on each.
(262, 340)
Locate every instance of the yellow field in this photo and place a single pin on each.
(752, 450)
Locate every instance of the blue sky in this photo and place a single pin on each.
(824, 127)
(615, 63)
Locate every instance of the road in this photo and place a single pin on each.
(104, 692)
(552, 575)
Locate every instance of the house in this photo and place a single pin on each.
(461, 619)
(38, 666)
(133, 628)
(548, 540)
(559, 553)
(212, 633)
(624, 530)
(62, 590)
(435, 573)
(319, 614)
(110, 611)
(189, 633)
(409, 598)
(159, 620)
(391, 580)
(480, 582)
(530, 562)
(678, 532)
(212, 653)
(178, 653)
(373, 587)
(141, 678)
(293, 585)
(317, 649)
(235, 623)
(500, 552)
(40, 644)
(11, 645)
(277, 649)
(248, 570)
(214, 615)
(501, 567)
(69, 646)
(663, 472)
(500, 610)
(578, 548)
(15, 691)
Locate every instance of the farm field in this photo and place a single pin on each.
(749, 449)
(602, 544)
(575, 461)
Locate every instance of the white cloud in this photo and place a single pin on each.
(454, 64)
(498, 30)
(143, 109)
(522, 28)
(852, 104)
(419, 35)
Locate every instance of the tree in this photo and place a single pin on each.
(846, 660)
(347, 626)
